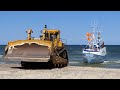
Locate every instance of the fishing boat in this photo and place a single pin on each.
(95, 50)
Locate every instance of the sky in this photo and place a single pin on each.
(72, 24)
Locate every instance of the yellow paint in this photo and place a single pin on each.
(21, 42)
(41, 41)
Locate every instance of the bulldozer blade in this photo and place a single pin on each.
(26, 52)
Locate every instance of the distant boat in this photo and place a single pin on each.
(95, 49)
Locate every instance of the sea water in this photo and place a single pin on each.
(111, 60)
(75, 56)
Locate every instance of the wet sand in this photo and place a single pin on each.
(14, 71)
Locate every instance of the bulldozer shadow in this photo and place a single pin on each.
(36, 65)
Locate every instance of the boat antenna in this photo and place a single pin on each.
(94, 26)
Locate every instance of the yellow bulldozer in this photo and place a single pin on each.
(47, 48)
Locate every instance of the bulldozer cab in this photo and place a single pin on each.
(50, 35)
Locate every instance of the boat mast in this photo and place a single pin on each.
(94, 27)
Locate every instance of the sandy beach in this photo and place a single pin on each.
(14, 71)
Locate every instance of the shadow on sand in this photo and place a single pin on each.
(36, 65)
